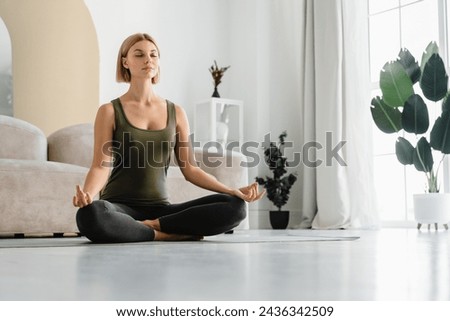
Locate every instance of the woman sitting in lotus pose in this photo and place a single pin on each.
(137, 134)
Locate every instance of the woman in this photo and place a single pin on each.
(137, 132)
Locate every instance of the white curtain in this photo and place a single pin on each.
(339, 192)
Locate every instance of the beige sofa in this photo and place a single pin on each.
(38, 175)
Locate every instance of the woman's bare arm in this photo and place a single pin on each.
(197, 176)
(101, 164)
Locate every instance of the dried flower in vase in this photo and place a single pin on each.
(217, 74)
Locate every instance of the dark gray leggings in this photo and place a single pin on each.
(106, 222)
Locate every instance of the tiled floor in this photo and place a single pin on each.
(389, 264)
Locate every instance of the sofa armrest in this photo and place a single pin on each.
(21, 140)
(226, 167)
(36, 197)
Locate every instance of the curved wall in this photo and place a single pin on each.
(55, 61)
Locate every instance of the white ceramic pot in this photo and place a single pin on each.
(432, 208)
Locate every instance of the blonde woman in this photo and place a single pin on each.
(137, 133)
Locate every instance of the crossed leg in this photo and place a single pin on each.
(106, 222)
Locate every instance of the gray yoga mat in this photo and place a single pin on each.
(237, 237)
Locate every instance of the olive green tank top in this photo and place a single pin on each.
(140, 161)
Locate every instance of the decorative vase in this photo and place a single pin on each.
(279, 219)
(222, 132)
(432, 208)
(215, 93)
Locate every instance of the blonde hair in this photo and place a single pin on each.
(122, 73)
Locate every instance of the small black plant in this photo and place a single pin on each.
(277, 187)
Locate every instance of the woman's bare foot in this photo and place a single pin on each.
(153, 224)
(161, 236)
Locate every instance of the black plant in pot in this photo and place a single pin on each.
(279, 185)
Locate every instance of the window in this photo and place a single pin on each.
(6, 107)
(396, 24)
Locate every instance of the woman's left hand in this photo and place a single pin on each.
(249, 193)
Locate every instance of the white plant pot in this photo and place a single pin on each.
(432, 208)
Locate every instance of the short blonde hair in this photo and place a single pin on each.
(122, 73)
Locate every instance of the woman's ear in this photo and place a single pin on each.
(124, 62)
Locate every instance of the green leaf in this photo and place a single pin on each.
(406, 59)
(395, 84)
(431, 49)
(415, 115)
(422, 157)
(404, 151)
(434, 78)
(440, 134)
(387, 119)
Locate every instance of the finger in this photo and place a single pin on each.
(243, 196)
(255, 190)
(80, 194)
(84, 202)
(244, 189)
(77, 203)
(82, 199)
(247, 193)
(260, 195)
(88, 198)
(80, 190)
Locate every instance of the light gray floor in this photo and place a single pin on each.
(389, 264)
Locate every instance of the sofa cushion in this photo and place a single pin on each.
(72, 145)
(21, 140)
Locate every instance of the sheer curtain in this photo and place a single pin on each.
(338, 192)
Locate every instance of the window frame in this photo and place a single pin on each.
(443, 12)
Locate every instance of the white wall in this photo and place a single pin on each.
(266, 39)
(190, 34)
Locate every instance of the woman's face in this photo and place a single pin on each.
(142, 60)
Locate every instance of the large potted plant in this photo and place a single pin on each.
(279, 185)
(402, 109)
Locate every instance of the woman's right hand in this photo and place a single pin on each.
(249, 193)
(81, 199)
